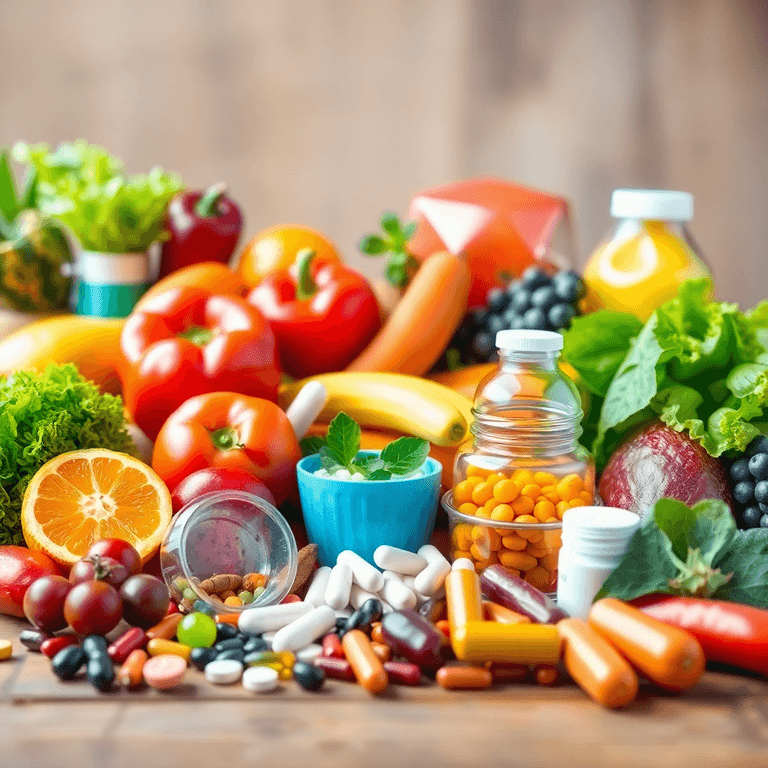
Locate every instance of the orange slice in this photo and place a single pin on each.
(83, 496)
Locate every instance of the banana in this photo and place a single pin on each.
(393, 401)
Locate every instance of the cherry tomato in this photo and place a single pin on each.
(93, 608)
(118, 550)
(19, 567)
(214, 479)
(145, 600)
(98, 568)
(44, 602)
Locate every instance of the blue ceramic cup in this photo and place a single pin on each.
(345, 514)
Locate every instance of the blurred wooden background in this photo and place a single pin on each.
(329, 111)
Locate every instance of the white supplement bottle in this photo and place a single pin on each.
(595, 539)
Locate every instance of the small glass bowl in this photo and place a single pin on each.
(529, 550)
(228, 532)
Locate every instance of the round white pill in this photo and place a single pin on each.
(223, 671)
(259, 679)
(398, 560)
(309, 653)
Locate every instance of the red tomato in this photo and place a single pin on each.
(93, 608)
(44, 602)
(224, 429)
(216, 479)
(98, 568)
(119, 550)
(19, 567)
(145, 600)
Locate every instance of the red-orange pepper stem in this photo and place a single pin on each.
(306, 287)
(207, 206)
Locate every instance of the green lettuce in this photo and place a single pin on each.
(700, 366)
(43, 415)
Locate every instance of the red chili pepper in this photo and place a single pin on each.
(186, 342)
(204, 226)
(323, 314)
(729, 633)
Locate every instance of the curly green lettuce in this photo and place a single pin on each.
(43, 415)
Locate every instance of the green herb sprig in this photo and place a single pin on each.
(401, 265)
(693, 551)
(341, 450)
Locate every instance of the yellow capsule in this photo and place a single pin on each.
(158, 647)
(544, 478)
(503, 513)
(482, 493)
(6, 649)
(516, 643)
(506, 491)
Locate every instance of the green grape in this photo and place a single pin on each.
(197, 630)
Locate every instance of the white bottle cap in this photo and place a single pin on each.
(529, 341)
(654, 204)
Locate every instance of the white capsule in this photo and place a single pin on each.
(316, 590)
(358, 596)
(268, 637)
(339, 584)
(303, 631)
(463, 564)
(259, 679)
(431, 553)
(363, 572)
(399, 560)
(267, 618)
(396, 593)
(429, 581)
(223, 671)
(309, 653)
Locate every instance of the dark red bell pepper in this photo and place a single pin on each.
(186, 342)
(729, 633)
(204, 226)
(323, 314)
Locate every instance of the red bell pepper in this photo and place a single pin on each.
(323, 314)
(185, 342)
(204, 226)
(223, 429)
(729, 633)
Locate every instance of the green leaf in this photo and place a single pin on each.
(747, 559)
(9, 206)
(390, 223)
(380, 474)
(409, 230)
(405, 455)
(396, 274)
(367, 464)
(373, 245)
(675, 520)
(328, 460)
(29, 193)
(749, 379)
(343, 439)
(311, 445)
(645, 569)
(713, 530)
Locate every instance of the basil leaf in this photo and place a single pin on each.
(645, 569)
(373, 245)
(674, 519)
(380, 474)
(405, 455)
(343, 439)
(714, 530)
(311, 445)
(747, 560)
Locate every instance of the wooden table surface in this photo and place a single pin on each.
(723, 721)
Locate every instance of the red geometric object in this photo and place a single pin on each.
(501, 227)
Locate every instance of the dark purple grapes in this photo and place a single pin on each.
(758, 466)
(751, 517)
(749, 484)
(744, 492)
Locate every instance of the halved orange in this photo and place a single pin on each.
(83, 496)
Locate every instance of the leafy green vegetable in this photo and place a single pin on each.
(341, 450)
(43, 415)
(698, 365)
(400, 263)
(87, 188)
(693, 551)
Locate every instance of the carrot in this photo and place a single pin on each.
(423, 322)
(668, 656)
(595, 665)
(465, 380)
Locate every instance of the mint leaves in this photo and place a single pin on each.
(693, 551)
(394, 243)
(341, 447)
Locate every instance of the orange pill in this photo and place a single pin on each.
(569, 487)
(468, 508)
(540, 578)
(496, 477)
(514, 542)
(546, 674)
(473, 471)
(502, 614)
(532, 491)
(544, 479)
(491, 504)
(158, 647)
(508, 673)
(549, 561)
(461, 553)
(460, 536)
(383, 651)
(165, 629)
(523, 505)
(463, 677)
(366, 665)
(522, 477)
(504, 513)
(587, 497)
(576, 503)
(552, 496)
(483, 512)
(376, 633)
(463, 491)
(444, 625)
(227, 618)
(537, 550)
(506, 491)
(233, 600)
(543, 510)
(561, 508)
(486, 538)
(520, 560)
(131, 671)
(481, 493)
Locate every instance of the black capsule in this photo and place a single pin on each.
(225, 632)
(373, 609)
(100, 673)
(201, 657)
(232, 643)
(308, 676)
(341, 622)
(32, 639)
(95, 646)
(234, 653)
(255, 645)
(360, 619)
(68, 662)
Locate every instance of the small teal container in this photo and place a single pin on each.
(344, 514)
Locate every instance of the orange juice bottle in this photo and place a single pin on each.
(649, 253)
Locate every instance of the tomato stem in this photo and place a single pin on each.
(207, 206)
(198, 336)
(226, 439)
(305, 285)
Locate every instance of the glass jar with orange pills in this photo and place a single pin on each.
(524, 468)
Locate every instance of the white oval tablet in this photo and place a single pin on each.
(259, 679)
(224, 671)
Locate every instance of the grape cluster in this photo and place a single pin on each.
(749, 480)
(536, 301)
